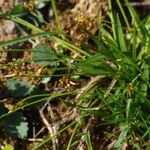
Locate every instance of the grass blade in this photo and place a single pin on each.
(24, 38)
(121, 138)
(88, 141)
(56, 16)
(119, 35)
(71, 138)
(124, 15)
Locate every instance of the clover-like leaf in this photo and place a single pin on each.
(16, 125)
(44, 55)
(18, 88)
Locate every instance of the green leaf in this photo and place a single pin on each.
(103, 48)
(44, 55)
(18, 88)
(88, 141)
(18, 10)
(136, 20)
(107, 36)
(22, 39)
(98, 57)
(122, 137)
(8, 147)
(146, 71)
(92, 111)
(120, 36)
(16, 125)
(144, 89)
(95, 65)
(97, 68)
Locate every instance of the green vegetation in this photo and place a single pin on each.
(111, 103)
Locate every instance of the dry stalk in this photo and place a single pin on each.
(113, 82)
(94, 81)
(52, 129)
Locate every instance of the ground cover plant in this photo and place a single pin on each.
(64, 92)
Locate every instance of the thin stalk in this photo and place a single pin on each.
(123, 14)
(21, 107)
(31, 97)
(53, 96)
(56, 134)
(71, 47)
(71, 138)
(112, 19)
(39, 17)
(128, 111)
(146, 126)
(23, 39)
(56, 16)
(42, 76)
(25, 23)
(134, 46)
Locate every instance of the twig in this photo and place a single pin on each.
(113, 82)
(145, 3)
(89, 85)
(81, 146)
(35, 140)
(52, 129)
(94, 81)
